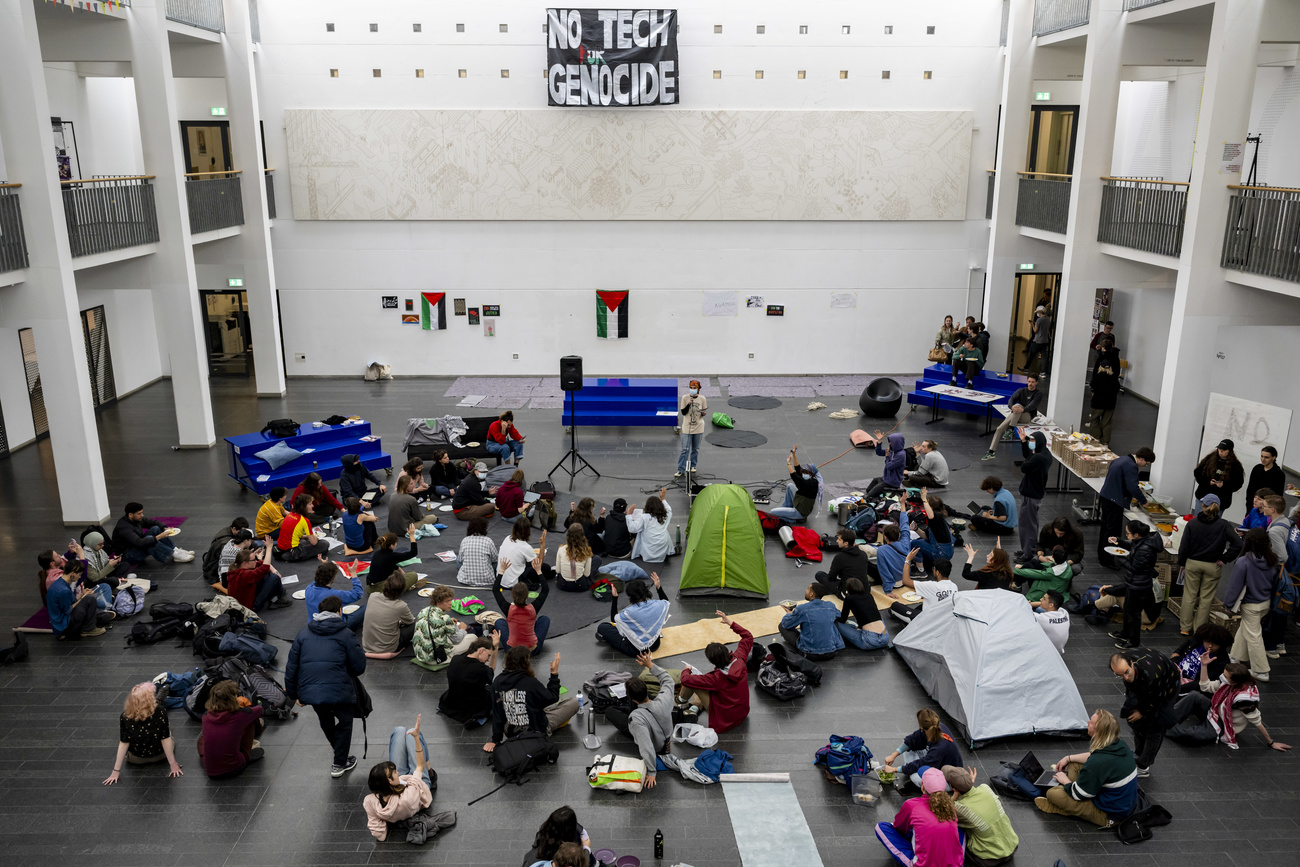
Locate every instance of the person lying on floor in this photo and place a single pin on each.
(810, 627)
(638, 627)
(1220, 709)
(650, 723)
(930, 745)
(1053, 573)
(723, 692)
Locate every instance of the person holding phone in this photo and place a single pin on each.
(692, 408)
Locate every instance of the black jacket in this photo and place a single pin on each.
(469, 690)
(1105, 381)
(982, 343)
(618, 541)
(1140, 564)
(322, 662)
(212, 557)
(1231, 474)
(1072, 543)
(1208, 540)
(468, 493)
(593, 531)
(446, 475)
(1121, 484)
(848, 563)
(985, 579)
(520, 701)
(1036, 468)
(352, 482)
(1154, 688)
(142, 536)
(1274, 480)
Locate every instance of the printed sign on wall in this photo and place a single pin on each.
(618, 57)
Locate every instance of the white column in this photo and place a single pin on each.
(252, 248)
(171, 269)
(1203, 300)
(47, 300)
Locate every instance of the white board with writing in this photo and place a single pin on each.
(721, 302)
(1248, 424)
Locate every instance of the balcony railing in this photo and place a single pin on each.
(204, 14)
(1263, 232)
(109, 214)
(1051, 16)
(270, 195)
(1143, 214)
(988, 205)
(13, 246)
(215, 200)
(1043, 201)
(1130, 5)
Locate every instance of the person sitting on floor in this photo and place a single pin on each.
(931, 467)
(849, 562)
(617, 539)
(468, 697)
(518, 563)
(401, 786)
(990, 839)
(593, 525)
(297, 541)
(1001, 519)
(650, 722)
(477, 556)
(1099, 786)
(639, 626)
(723, 692)
(1062, 532)
(359, 528)
(967, 360)
(322, 505)
(212, 558)
(470, 501)
(254, 583)
(404, 512)
(1051, 615)
(241, 541)
(889, 557)
(924, 832)
(414, 470)
(438, 635)
(74, 609)
(522, 624)
(55, 566)
(320, 589)
(1053, 573)
(388, 624)
(521, 703)
(575, 564)
(1218, 711)
(144, 733)
(228, 741)
(558, 833)
(811, 628)
(895, 464)
(938, 588)
(504, 439)
(444, 475)
(510, 497)
(387, 561)
(138, 538)
(102, 567)
(270, 513)
(802, 492)
(353, 479)
(938, 543)
(868, 631)
(930, 745)
(653, 544)
(996, 574)
(1207, 646)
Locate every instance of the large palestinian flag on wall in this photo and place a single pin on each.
(611, 314)
(433, 310)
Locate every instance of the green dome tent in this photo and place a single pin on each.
(724, 546)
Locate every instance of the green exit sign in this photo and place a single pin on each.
(237, 282)
(1023, 267)
(1040, 96)
(220, 110)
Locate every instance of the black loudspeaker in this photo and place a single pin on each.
(571, 373)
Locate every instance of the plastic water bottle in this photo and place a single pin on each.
(679, 538)
(659, 844)
(582, 704)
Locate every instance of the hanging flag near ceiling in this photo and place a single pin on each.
(433, 310)
(611, 314)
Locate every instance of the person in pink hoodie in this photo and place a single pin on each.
(925, 833)
(400, 787)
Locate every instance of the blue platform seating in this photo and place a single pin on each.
(328, 444)
(941, 374)
(624, 403)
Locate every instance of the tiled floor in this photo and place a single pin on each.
(58, 711)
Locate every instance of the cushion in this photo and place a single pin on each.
(278, 455)
(431, 666)
(861, 439)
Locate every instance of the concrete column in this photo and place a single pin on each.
(1203, 300)
(171, 270)
(252, 248)
(47, 300)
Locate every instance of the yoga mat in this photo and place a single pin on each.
(170, 522)
(38, 622)
(689, 637)
(769, 824)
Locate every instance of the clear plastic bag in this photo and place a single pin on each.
(864, 790)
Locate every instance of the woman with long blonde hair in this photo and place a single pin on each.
(1099, 786)
(925, 833)
(145, 733)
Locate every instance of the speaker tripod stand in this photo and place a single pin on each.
(577, 463)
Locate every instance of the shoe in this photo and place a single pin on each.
(256, 753)
(691, 470)
(677, 475)
(1280, 650)
(1272, 654)
(1046, 806)
(99, 630)
(1125, 645)
(1116, 634)
(1261, 676)
(180, 555)
(1143, 773)
(952, 381)
(1020, 556)
(130, 575)
(1008, 437)
(989, 455)
(280, 603)
(337, 771)
(1183, 632)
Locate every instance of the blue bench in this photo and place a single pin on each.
(328, 444)
(624, 403)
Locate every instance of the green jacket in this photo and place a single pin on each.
(434, 627)
(1046, 578)
(964, 354)
(989, 834)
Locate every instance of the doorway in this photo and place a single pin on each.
(1031, 292)
(35, 392)
(1051, 139)
(207, 146)
(99, 357)
(230, 343)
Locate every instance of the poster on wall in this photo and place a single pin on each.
(473, 316)
(410, 319)
(389, 302)
(460, 306)
(433, 310)
(1248, 424)
(611, 57)
(489, 328)
(611, 314)
(844, 300)
(720, 302)
(491, 309)
(754, 302)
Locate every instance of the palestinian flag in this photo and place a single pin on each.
(433, 310)
(611, 314)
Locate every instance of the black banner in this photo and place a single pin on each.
(611, 57)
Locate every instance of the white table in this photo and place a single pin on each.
(953, 391)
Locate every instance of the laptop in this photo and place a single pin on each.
(975, 508)
(531, 496)
(1034, 771)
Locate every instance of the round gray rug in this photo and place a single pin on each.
(754, 401)
(735, 439)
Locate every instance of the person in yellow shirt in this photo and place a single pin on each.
(271, 513)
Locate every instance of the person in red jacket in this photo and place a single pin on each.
(324, 505)
(504, 439)
(723, 692)
(230, 729)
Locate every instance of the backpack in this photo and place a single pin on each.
(1014, 783)
(247, 648)
(795, 663)
(176, 687)
(498, 476)
(1086, 603)
(98, 528)
(153, 631)
(207, 638)
(1285, 592)
(129, 601)
(616, 773)
(780, 684)
(756, 656)
(522, 753)
(281, 428)
(545, 490)
(844, 757)
(544, 515)
(19, 652)
(1146, 815)
(602, 698)
(362, 710)
(261, 687)
(172, 610)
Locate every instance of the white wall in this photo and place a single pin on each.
(1275, 117)
(1142, 316)
(114, 128)
(1142, 139)
(128, 309)
(1249, 354)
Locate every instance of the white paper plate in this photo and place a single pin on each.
(472, 445)
(1116, 551)
(176, 531)
(300, 594)
(444, 508)
(350, 609)
(426, 592)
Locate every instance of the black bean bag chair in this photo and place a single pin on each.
(881, 398)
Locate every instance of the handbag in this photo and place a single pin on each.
(937, 354)
(616, 773)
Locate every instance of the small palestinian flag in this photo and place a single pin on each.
(433, 310)
(611, 314)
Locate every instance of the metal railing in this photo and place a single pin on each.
(254, 27)
(1263, 232)
(1143, 214)
(270, 195)
(204, 14)
(1052, 16)
(1043, 201)
(215, 200)
(988, 206)
(1130, 5)
(13, 246)
(109, 213)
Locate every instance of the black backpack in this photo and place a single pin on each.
(171, 610)
(545, 490)
(154, 631)
(207, 638)
(281, 428)
(520, 754)
(261, 687)
(779, 683)
(19, 652)
(756, 656)
(795, 664)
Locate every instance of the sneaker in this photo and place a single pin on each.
(256, 753)
(1116, 634)
(1125, 645)
(1143, 773)
(989, 455)
(1280, 650)
(1272, 654)
(280, 603)
(99, 630)
(337, 771)
(1261, 676)
(677, 475)
(692, 469)
(180, 555)
(1008, 437)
